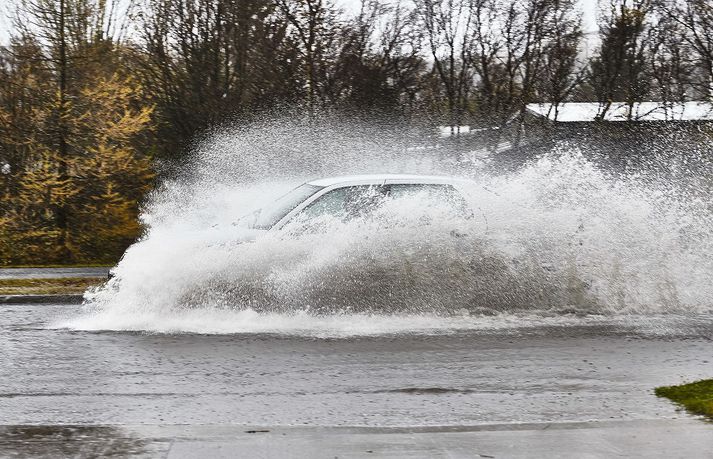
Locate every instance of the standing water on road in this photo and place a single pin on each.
(565, 238)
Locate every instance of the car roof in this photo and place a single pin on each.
(381, 178)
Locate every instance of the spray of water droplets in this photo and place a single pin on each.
(562, 237)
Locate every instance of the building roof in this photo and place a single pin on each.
(619, 111)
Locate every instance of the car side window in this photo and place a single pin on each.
(435, 193)
(345, 203)
(362, 201)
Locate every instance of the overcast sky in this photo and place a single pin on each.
(6, 6)
(589, 10)
(4, 21)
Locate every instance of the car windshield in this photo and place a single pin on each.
(276, 211)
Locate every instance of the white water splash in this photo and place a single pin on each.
(612, 244)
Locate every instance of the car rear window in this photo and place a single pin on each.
(441, 194)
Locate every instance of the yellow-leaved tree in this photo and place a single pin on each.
(110, 176)
(75, 127)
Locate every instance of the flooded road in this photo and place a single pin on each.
(546, 373)
(536, 326)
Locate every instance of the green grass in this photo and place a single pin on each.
(62, 286)
(696, 397)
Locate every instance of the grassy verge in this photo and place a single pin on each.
(696, 397)
(62, 286)
(70, 265)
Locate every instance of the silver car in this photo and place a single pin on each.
(358, 196)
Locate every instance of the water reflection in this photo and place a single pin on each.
(74, 441)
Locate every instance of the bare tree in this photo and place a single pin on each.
(377, 69)
(562, 69)
(483, 56)
(448, 27)
(695, 25)
(316, 25)
(522, 52)
(400, 54)
(672, 69)
(203, 59)
(620, 71)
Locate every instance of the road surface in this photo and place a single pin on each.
(52, 273)
(582, 391)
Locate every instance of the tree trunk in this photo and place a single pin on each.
(62, 211)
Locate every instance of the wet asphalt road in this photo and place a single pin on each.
(554, 374)
(165, 387)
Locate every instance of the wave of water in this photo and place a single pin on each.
(560, 239)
